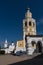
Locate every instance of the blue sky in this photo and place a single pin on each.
(12, 12)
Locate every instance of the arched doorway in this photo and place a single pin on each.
(33, 43)
(39, 47)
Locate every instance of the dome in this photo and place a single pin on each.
(28, 14)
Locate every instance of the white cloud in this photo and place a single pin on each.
(40, 21)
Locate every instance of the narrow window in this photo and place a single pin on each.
(30, 23)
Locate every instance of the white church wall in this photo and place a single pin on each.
(36, 39)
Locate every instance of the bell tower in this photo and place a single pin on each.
(29, 24)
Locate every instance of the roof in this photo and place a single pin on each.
(34, 35)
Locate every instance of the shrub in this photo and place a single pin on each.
(2, 52)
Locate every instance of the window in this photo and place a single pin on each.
(30, 23)
(32, 44)
(25, 23)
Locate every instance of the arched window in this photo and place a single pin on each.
(30, 23)
(33, 42)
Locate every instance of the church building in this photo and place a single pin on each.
(31, 41)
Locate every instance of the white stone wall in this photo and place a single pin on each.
(36, 39)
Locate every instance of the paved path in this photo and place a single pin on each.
(10, 59)
(38, 60)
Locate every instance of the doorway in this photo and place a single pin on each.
(39, 47)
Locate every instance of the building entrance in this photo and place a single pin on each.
(39, 47)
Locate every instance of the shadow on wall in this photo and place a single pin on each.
(38, 60)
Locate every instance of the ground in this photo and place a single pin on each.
(20, 60)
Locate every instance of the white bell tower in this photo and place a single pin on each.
(29, 24)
